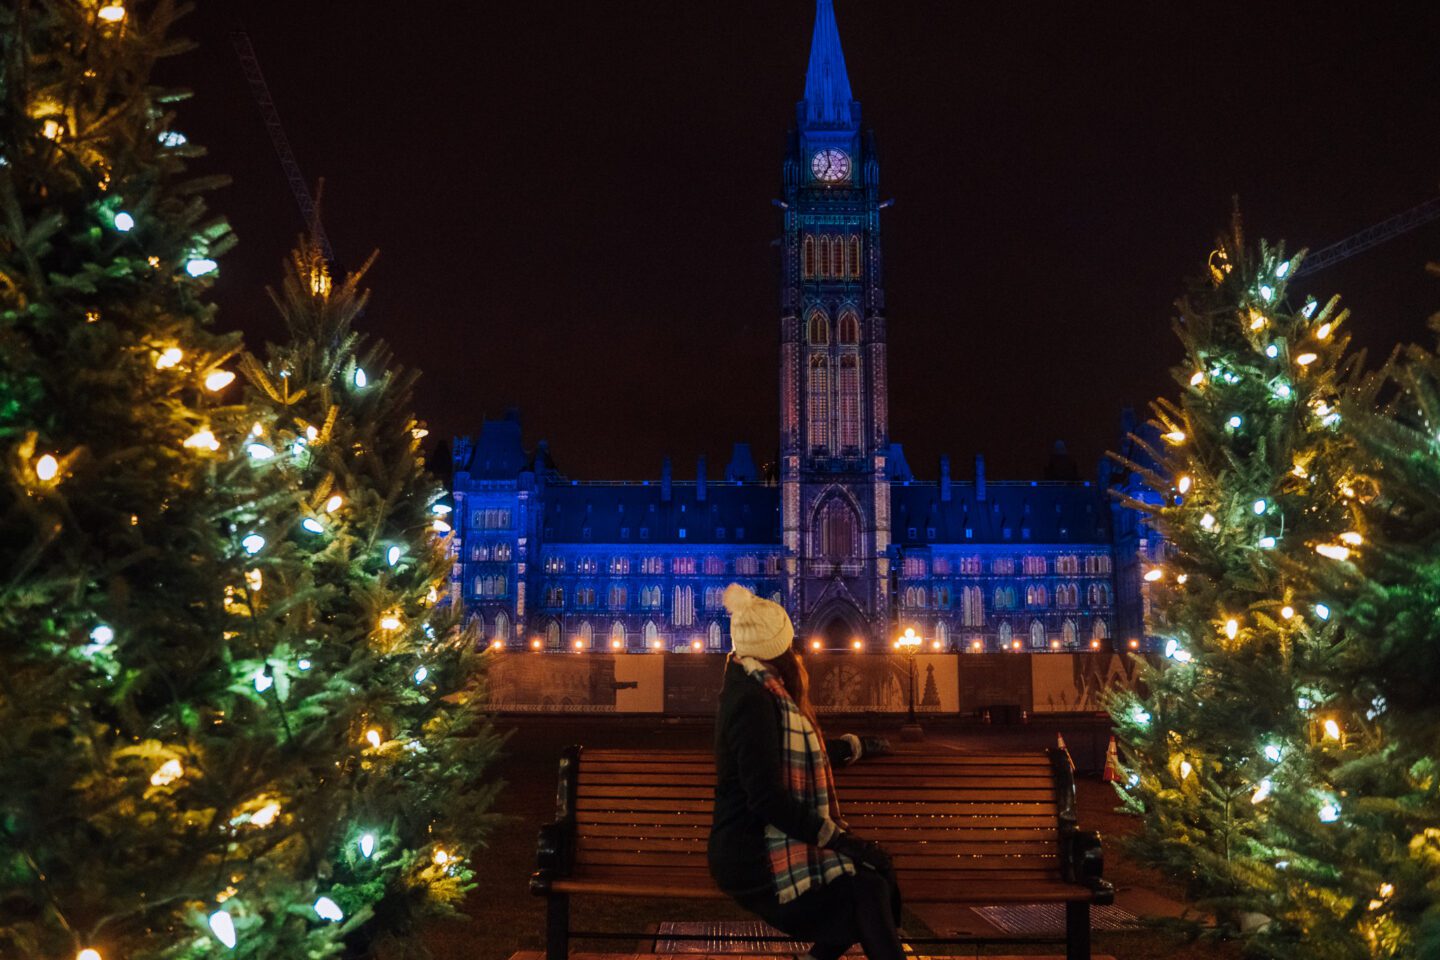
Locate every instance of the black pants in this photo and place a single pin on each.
(863, 908)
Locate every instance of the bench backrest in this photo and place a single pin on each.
(943, 818)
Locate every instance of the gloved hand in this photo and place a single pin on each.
(865, 852)
(874, 746)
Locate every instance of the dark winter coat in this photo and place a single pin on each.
(750, 787)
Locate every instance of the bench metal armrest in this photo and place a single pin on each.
(1084, 863)
(555, 853)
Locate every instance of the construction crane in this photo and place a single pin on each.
(260, 90)
(1371, 237)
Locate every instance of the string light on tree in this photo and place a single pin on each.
(217, 380)
(327, 909)
(124, 222)
(201, 266)
(111, 13)
(202, 439)
(223, 927)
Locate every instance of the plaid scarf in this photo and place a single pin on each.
(797, 866)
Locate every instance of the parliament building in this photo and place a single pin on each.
(839, 530)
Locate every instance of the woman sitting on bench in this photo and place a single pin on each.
(778, 845)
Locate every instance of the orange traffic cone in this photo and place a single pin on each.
(1112, 763)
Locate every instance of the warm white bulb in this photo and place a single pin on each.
(390, 622)
(1333, 551)
(253, 544)
(1183, 485)
(441, 858)
(89, 953)
(334, 503)
(1352, 538)
(111, 13)
(263, 681)
(441, 527)
(1262, 791)
(1259, 507)
(367, 845)
(1207, 522)
(421, 674)
(202, 440)
(1332, 730)
(124, 222)
(1323, 331)
(1197, 379)
(259, 451)
(312, 525)
(217, 380)
(168, 358)
(200, 266)
(1154, 573)
(1232, 627)
(46, 468)
(1286, 612)
(1176, 436)
(1305, 359)
(373, 736)
(169, 772)
(1186, 769)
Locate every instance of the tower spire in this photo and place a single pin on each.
(828, 99)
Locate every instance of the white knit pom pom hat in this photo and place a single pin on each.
(759, 628)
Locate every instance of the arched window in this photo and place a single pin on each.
(683, 611)
(849, 328)
(839, 531)
(651, 634)
(849, 399)
(822, 268)
(807, 257)
(1100, 630)
(717, 637)
(942, 634)
(971, 612)
(552, 635)
(617, 635)
(1068, 633)
(502, 627)
(1004, 636)
(819, 403)
(854, 256)
(585, 634)
(819, 332)
(1037, 634)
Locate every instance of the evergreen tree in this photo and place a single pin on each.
(386, 666)
(1216, 739)
(1371, 888)
(206, 705)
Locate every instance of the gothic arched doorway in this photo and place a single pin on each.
(837, 626)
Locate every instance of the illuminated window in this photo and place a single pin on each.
(839, 531)
(1068, 633)
(650, 633)
(807, 260)
(824, 270)
(619, 596)
(552, 635)
(849, 328)
(854, 257)
(1099, 629)
(746, 566)
(819, 329)
(617, 633)
(585, 635)
(502, 626)
(1037, 634)
(716, 637)
(1036, 596)
(1004, 635)
(819, 407)
(972, 612)
(942, 634)
(683, 609)
(683, 565)
(714, 566)
(849, 398)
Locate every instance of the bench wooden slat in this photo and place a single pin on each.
(694, 885)
(914, 833)
(851, 794)
(860, 822)
(696, 846)
(698, 756)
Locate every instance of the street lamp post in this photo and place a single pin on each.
(909, 645)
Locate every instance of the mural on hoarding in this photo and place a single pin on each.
(689, 684)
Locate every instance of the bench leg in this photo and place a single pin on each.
(557, 926)
(1077, 930)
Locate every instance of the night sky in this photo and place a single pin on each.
(571, 200)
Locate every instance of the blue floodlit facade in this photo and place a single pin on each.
(840, 531)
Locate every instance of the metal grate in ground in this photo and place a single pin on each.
(1048, 919)
(729, 928)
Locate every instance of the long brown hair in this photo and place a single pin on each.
(790, 668)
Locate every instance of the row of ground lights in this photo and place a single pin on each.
(698, 646)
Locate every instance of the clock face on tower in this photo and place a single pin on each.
(830, 165)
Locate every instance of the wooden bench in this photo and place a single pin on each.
(963, 829)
